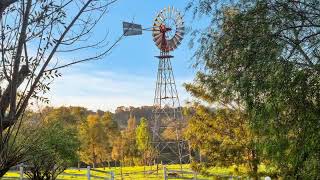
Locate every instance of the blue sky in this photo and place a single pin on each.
(127, 76)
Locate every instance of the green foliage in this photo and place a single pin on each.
(55, 150)
(130, 149)
(143, 139)
(222, 137)
(264, 55)
(97, 135)
(69, 115)
(142, 135)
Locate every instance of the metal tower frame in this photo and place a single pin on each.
(167, 114)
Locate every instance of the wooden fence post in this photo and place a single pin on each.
(195, 175)
(112, 175)
(165, 173)
(88, 172)
(21, 172)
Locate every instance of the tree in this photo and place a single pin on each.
(97, 135)
(129, 138)
(143, 140)
(142, 135)
(92, 138)
(222, 137)
(264, 55)
(55, 151)
(118, 151)
(35, 33)
(70, 116)
(111, 130)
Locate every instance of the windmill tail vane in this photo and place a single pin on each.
(131, 29)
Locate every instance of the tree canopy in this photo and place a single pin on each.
(264, 55)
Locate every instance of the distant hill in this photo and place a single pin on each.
(122, 114)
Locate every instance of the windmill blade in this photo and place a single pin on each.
(157, 38)
(173, 12)
(179, 20)
(159, 45)
(180, 34)
(156, 33)
(180, 28)
(162, 16)
(172, 44)
(179, 23)
(175, 41)
(156, 28)
(159, 20)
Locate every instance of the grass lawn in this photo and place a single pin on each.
(137, 172)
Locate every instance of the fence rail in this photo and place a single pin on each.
(92, 173)
(178, 174)
(107, 175)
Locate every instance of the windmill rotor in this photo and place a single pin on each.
(168, 29)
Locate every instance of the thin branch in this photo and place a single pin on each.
(90, 58)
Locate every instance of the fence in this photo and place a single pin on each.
(91, 174)
(106, 175)
(178, 174)
(189, 174)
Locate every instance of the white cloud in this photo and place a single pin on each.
(105, 90)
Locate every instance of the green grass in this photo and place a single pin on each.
(137, 172)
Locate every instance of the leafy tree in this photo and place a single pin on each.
(264, 55)
(143, 135)
(222, 137)
(111, 130)
(129, 138)
(143, 140)
(55, 150)
(70, 116)
(92, 140)
(117, 153)
(97, 136)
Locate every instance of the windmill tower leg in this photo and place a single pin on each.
(167, 116)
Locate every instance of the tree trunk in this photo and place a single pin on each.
(144, 165)
(254, 164)
(5, 98)
(121, 169)
(200, 156)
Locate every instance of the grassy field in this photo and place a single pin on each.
(137, 172)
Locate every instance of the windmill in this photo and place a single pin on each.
(167, 31)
